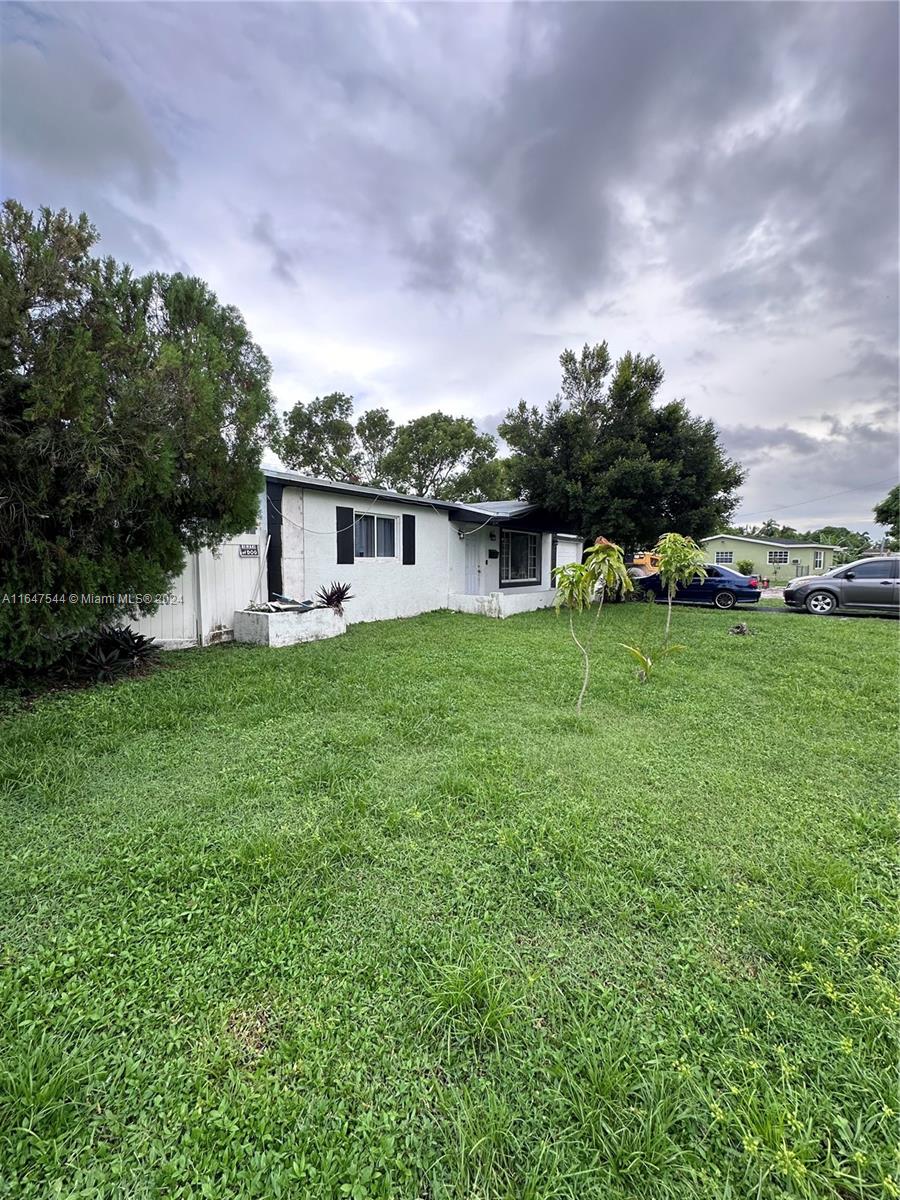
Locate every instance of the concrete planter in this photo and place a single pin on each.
(287, 628)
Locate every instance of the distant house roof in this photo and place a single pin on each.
(767, 541)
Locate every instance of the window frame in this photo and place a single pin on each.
(505, 534)
(818, 560)
(358, 518)
(724, 558)
(772, 561)
(884, 572)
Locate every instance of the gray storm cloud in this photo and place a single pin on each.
(424, 204)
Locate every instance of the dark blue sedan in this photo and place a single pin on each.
(722, 587)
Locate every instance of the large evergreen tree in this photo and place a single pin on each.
(602, 456)
(133, 415)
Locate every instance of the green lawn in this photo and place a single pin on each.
(380, 917)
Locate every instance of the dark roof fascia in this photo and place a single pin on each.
(293, 479)
(536, 520)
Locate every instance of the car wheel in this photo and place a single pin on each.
(820, 604)
(724, 600)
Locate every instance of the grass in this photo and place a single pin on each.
(380, 917)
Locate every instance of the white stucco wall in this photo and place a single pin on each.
(382, 588)
(488, 539)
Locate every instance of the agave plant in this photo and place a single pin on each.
(109, 653)
(334, 597)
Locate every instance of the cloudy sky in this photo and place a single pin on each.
(423, 205)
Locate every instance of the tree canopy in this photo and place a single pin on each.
(439, 455)
(133, 416)
(434, 455)
(888, 513)
(853, 543)
(319, 439)
(602, 456)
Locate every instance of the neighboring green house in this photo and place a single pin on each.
(775, 558)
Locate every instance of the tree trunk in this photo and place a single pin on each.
(587, 663)
(668, 618)
(596, 624)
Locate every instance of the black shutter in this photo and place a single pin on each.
(274, 500)
(345, 535)
(409, 540)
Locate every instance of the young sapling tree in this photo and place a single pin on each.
(680, 559)
(576, 585)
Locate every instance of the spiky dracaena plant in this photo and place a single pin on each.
(680, 559)
(576, 585)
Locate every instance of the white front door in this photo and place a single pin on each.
(473, 565)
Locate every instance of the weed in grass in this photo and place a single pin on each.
(468, 998)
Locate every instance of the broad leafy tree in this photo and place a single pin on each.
(319, 439)
(486, 481)
(435, 455)
(375, 437)
(888, 513)
(133, 415)
(602, 455)
(438, 455)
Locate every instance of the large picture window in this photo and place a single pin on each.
(778, 556)
(518, 557)
(376, 537)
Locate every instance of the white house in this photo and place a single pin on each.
(402, 555)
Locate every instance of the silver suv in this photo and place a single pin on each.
(869, 585)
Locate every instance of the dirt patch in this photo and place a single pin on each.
(252, 1031)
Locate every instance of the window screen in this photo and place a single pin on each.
(518, 557)
(376, 537)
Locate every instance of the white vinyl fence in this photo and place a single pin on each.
(203, 600)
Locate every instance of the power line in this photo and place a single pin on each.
(815, 499)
